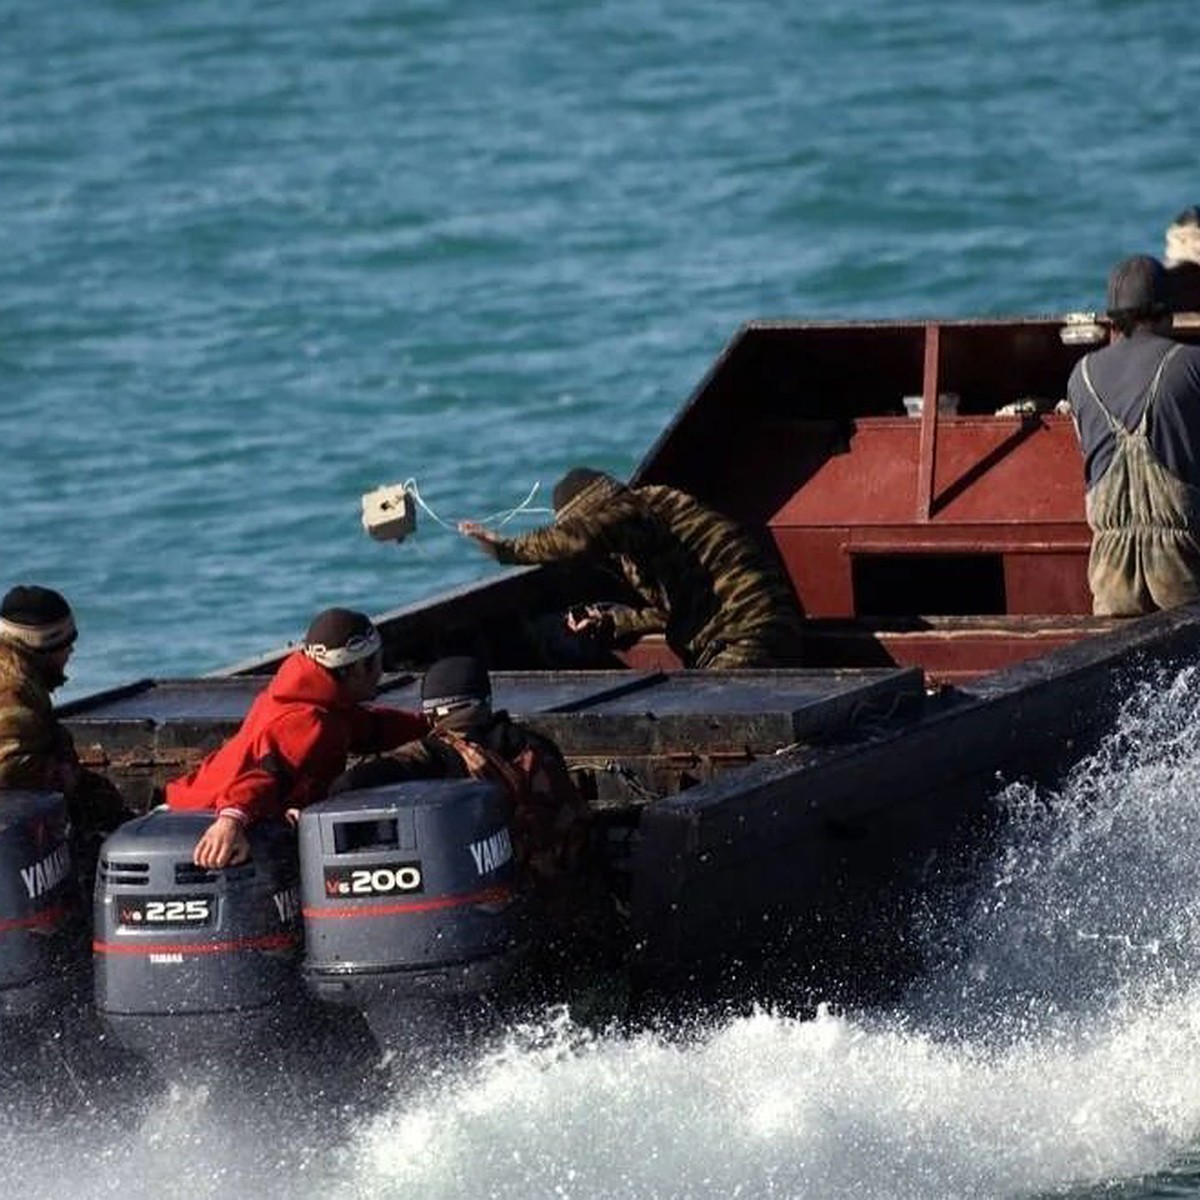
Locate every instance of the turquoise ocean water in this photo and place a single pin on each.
(259, 257)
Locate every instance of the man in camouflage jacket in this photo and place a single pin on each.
(579, 925)
(702, 580)
(470, 740)
(37, 635)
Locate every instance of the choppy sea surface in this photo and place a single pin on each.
(260, 257)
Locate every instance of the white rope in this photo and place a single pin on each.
(499, 518)
(507, 515)
(410, 486)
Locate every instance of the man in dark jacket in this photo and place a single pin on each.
(701, 579)
(296, 737)
(470, 740)
(1136, 405)
(37, 635)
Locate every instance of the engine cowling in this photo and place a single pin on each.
(40, 917)
(410, 894)
(189, 961)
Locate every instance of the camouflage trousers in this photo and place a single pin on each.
(1132, 572)
(772, 648)
(1145, 522)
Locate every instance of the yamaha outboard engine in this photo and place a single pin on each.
(189, 962)
(411, 908)
(41, 932)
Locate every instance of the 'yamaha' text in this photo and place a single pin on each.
(493, 852)
(287, 904)
(47, 873)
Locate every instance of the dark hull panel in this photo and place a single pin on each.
(818, 855)
(686, 723)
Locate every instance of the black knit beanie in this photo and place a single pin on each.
(571, 484)
(37, 617)
(1137, 287)
(450, 682)
(582, 488)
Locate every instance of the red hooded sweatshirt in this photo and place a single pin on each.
(293, 743)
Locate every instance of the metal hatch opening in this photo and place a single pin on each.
(892, 585)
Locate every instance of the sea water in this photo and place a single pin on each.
(259, 258)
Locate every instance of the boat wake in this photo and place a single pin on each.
(1048, 1048)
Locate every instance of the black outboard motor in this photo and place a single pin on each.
(410, 900)
(191, 963)
(41, 932)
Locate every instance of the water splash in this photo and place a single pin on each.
(771, 1106)
(1090, 906)
(1048, 1050)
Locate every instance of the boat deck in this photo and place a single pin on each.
(657, 731)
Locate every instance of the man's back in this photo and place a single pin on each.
(720, 583)
(1121, 374)
(717, 591)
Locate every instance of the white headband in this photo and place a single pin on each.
(1183, 245)
(40, 637)
(441, 705)
(361, 646)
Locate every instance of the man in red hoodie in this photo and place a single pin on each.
(296, 737)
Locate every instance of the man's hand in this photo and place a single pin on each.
(592, 623)
(483, 537)
(223, 844)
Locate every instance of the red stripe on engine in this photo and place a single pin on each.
(47, 917)
(273, 941)
(354, 912)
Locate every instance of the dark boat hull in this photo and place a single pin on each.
(818, 861)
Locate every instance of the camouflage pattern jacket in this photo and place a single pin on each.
(703, 581)
(550, 818)
(35, 751)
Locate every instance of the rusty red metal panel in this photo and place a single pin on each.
(988, 468)
(1048, 582)
(819, 566)
(1010, 487)
(959, 660)
(1046, 537)
(650, 654)
(1007, 468)
(928, 446)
